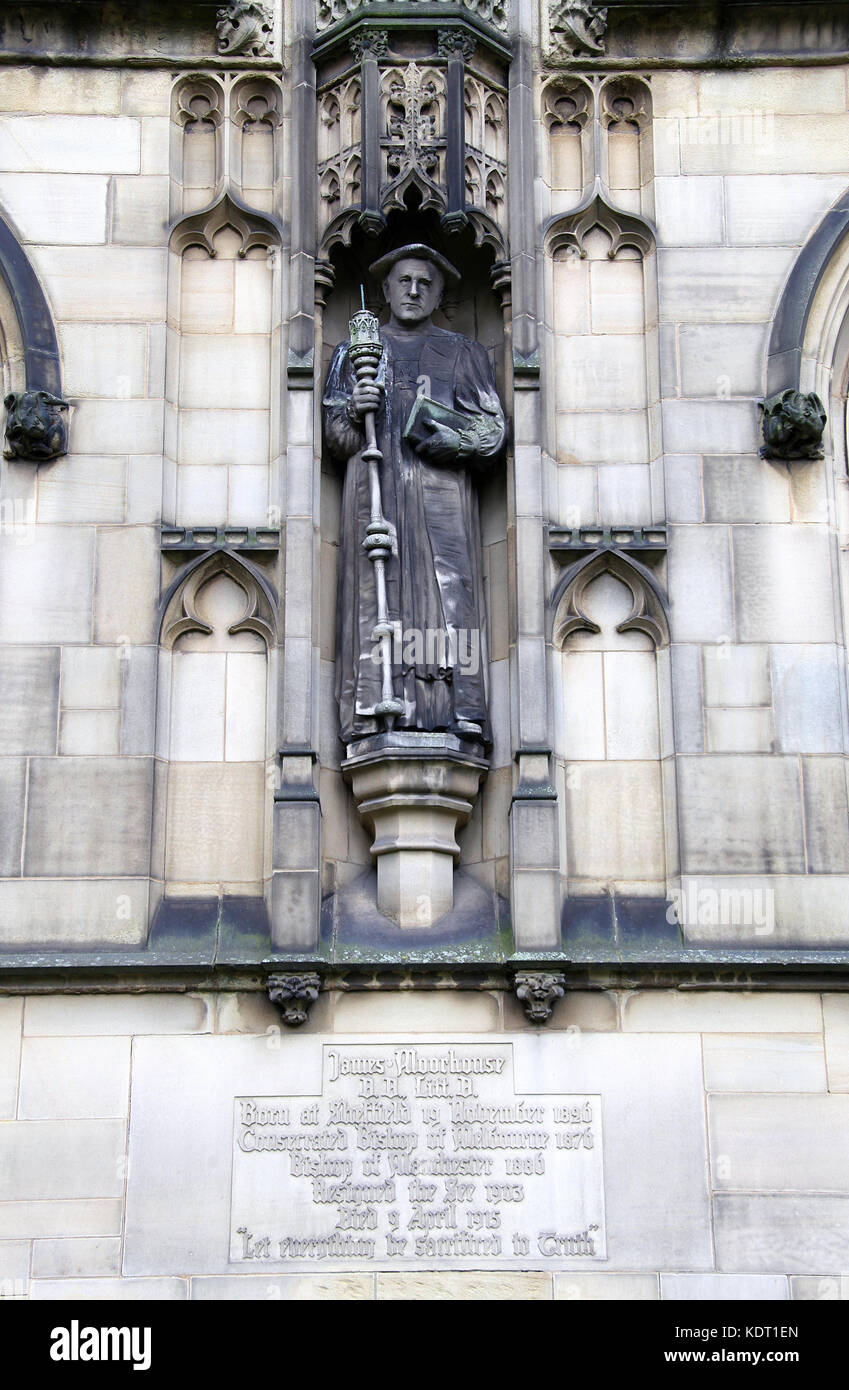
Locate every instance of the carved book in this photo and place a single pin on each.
(417, 428)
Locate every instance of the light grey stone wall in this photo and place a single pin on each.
(174, 370)
(756, 791)
(767, 1096)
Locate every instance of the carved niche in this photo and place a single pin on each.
(412, 121)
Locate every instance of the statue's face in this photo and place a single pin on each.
(414, 289)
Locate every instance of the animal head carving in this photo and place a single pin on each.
(793, 425)
(36, 428)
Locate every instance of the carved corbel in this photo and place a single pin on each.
(294, 995)
(369, 43)
(577, 28)
(245, 27)
(537, 990)
(793, 424)
(36, 429)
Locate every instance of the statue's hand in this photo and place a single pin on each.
(366, 397)
(443, 445)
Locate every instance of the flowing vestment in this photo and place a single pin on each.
(433, 577)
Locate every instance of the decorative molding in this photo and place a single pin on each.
(256, 101)
(649, 611)
(567, 102)
(369, 43)
(635, 538)
(413, 100)
(537, 991)
(626, 101)
(485, 172)
(399, 131)
(245, 27)
(790, 325)
(488, 233)
(206, 538)
(793, 424)
(38, 340)
(568, 231)
(456, 43)
(577, 28)
(201, 228)
(294, 995)
(492, 12)
(178, 606)
(36, 429)
(198, 100)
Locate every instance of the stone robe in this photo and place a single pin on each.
(433, 577)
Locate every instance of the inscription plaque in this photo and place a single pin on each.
(417, 1154)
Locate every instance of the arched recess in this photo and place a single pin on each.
(602, 389)
(222, 454)
(568, 106)
(216, 728)
(479, 308)
(38, 343)
(600, 347)
(612, 706)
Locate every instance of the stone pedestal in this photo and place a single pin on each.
(413, 792)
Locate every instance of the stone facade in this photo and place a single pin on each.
(650, 216)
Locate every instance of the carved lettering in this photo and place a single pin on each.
(417, 1155)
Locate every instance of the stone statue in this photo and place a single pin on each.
(438, 422)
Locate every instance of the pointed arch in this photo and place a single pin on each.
(569, 230)
(179, 609)
(201, 228)
(822, 259)
(649, 612)
(39, 342)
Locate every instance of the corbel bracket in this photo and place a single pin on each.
(537, 990)
(294, 995)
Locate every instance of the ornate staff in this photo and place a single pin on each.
(365, 351)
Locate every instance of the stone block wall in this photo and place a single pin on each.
(760, 1175)
(755, 796)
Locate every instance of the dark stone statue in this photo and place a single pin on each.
(438, 423)
(36, 429)
(793, 425)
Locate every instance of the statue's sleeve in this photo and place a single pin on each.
(342, 436)
(476, 395)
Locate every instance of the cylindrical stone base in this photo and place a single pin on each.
(413, 792)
